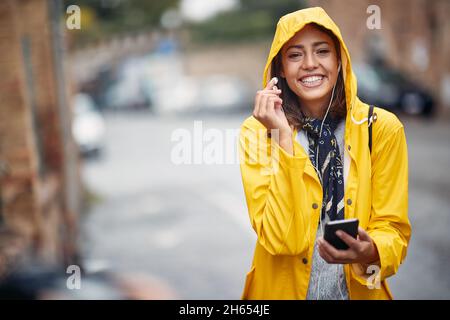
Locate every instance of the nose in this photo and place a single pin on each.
(309, 62)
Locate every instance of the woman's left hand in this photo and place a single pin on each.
(361, 250)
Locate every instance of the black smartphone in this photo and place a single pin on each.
(349, 226)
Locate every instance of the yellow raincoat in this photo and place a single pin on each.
(284, 194)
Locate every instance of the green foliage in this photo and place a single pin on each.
(111, 17)
(254, 20)
(233, 27)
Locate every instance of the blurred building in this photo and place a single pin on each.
(39, 178)
(413, 38)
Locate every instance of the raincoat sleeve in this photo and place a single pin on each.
(274, 191)
(389, 225)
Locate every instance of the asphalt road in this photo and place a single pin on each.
(187, 224)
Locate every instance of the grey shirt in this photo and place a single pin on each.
(327, 281)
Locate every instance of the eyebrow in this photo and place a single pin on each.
(300, 46)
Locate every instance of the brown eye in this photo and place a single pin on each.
(323, 51)
(294, 55)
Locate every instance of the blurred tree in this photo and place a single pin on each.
(254, 19)
(110, 17)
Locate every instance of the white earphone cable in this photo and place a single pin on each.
(320, 177)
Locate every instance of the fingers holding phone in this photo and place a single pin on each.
(359, 247)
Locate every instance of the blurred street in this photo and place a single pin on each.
(103, 102)
(188, 224)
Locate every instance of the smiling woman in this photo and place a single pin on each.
(311, 46)
(326, 172)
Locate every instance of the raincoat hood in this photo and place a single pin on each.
(293, 22)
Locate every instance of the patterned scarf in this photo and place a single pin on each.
(329, 164)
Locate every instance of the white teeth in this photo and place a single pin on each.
(312, 79)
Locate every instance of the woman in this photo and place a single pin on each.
(312, 129)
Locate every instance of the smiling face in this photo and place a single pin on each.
(310, 66)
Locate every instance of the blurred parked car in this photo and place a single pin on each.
(173, 91)
(88, 126)
(128, 91)
(389, 89)
(223, 93)
(207, 94)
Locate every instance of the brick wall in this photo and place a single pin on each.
(405, 24)
(33, 148)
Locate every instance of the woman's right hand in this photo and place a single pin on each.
(268, 109)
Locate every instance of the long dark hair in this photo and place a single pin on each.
(291, 105)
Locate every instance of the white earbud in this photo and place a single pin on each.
(339, 67)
